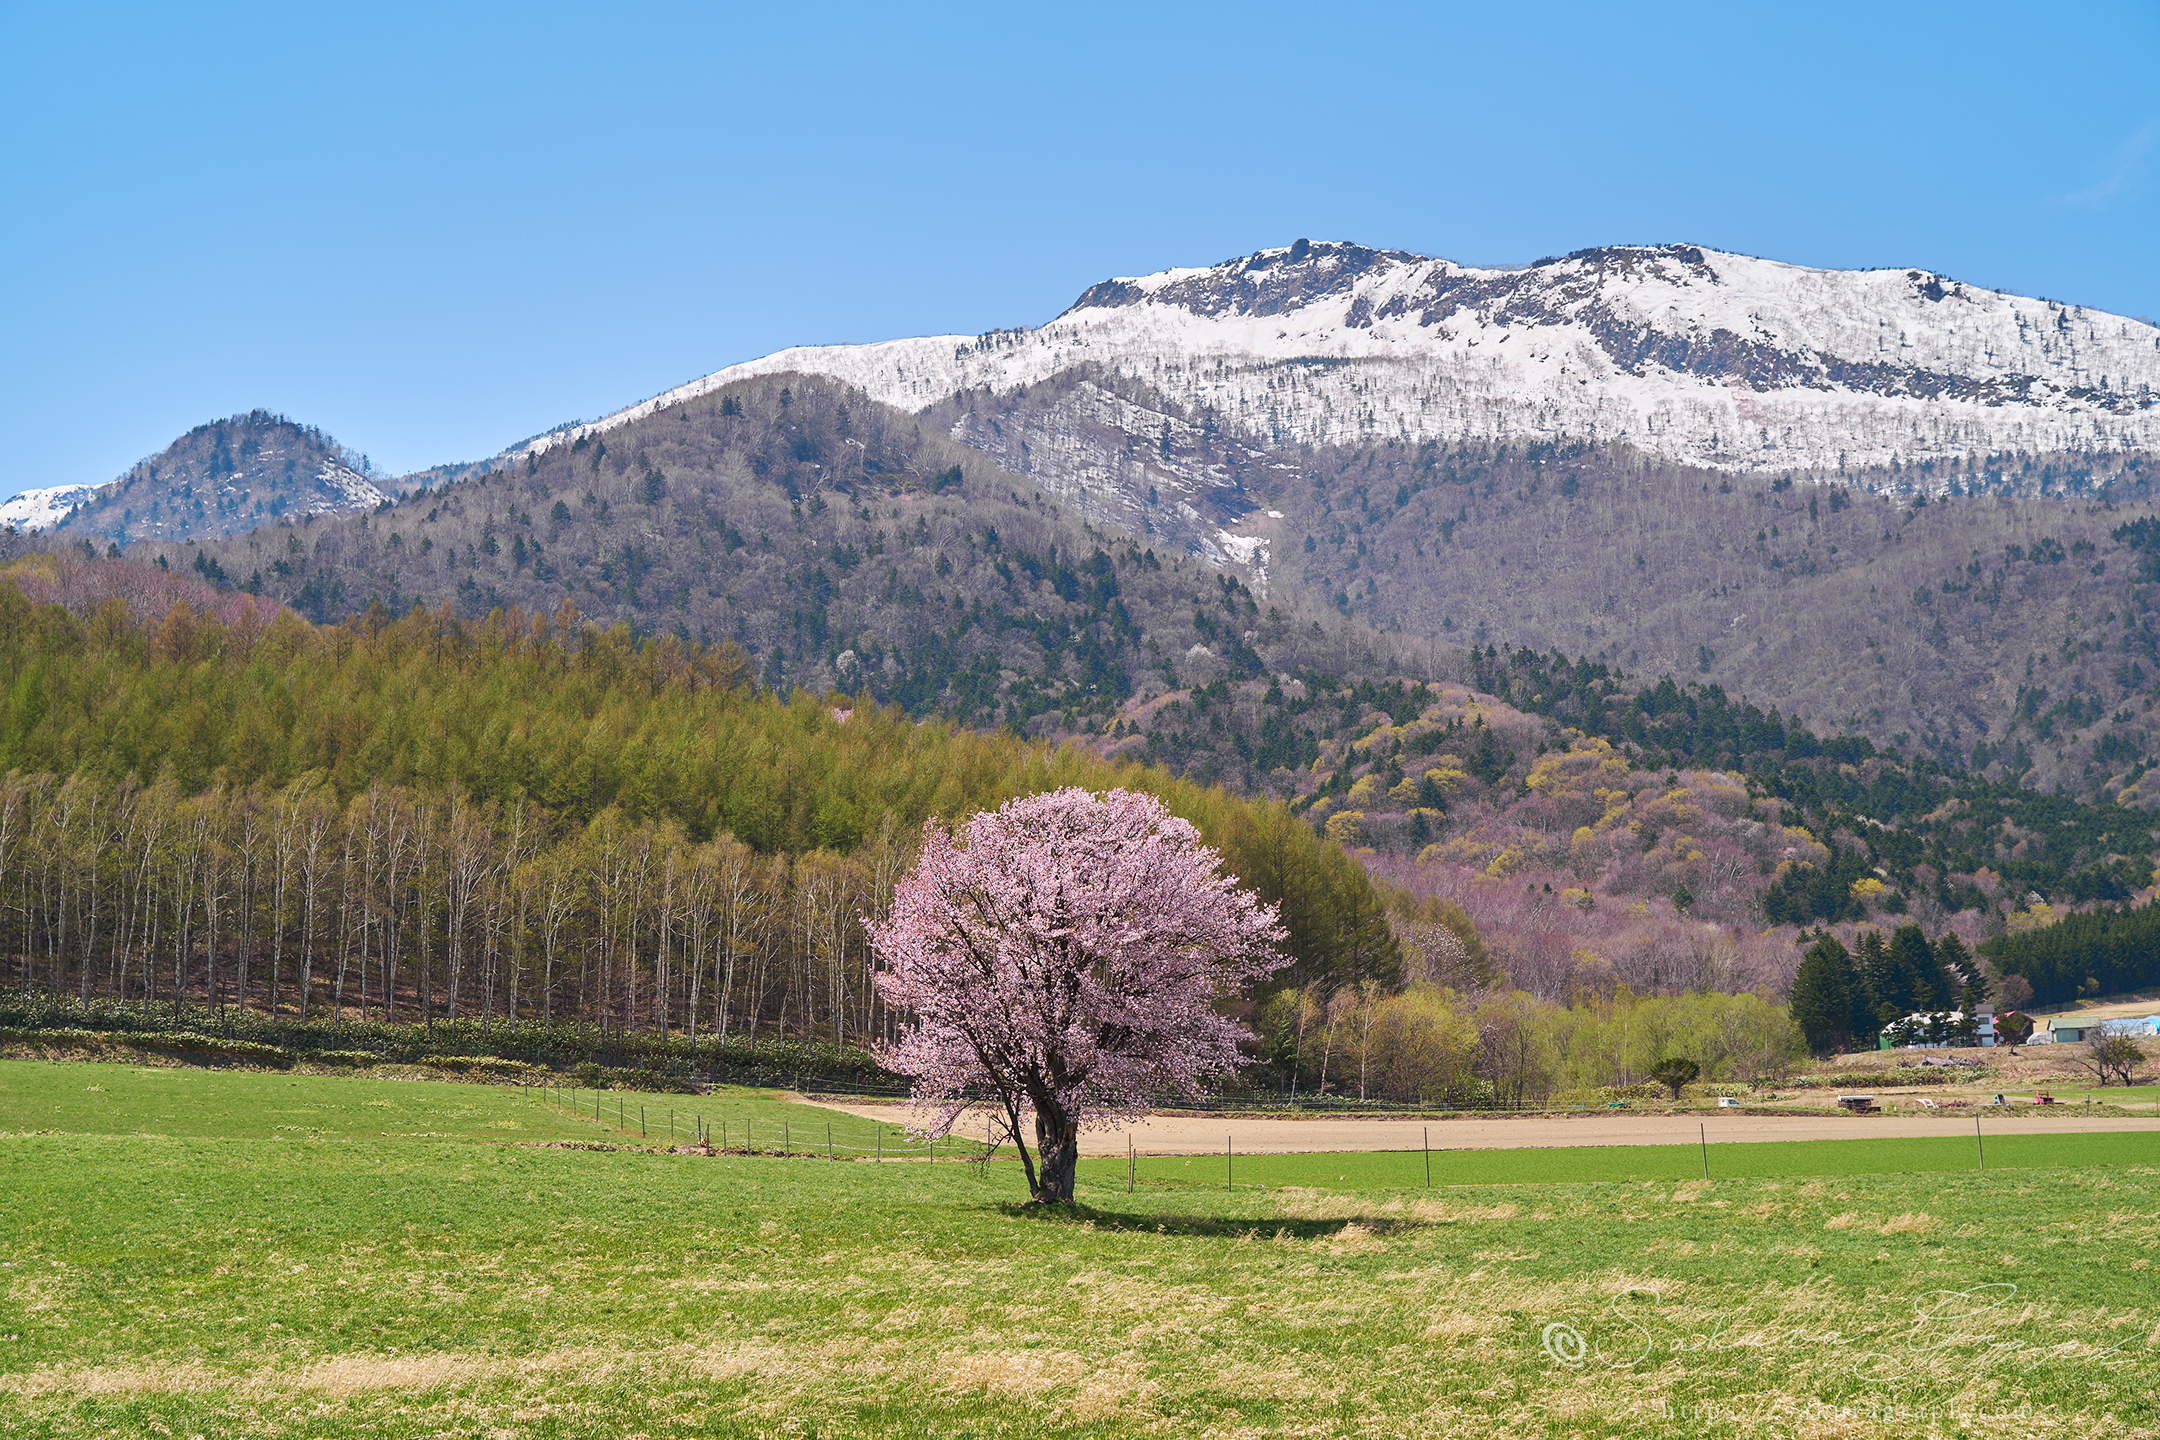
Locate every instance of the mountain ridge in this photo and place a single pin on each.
(1604, 548)
(1688, 354)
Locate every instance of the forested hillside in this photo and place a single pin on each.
(2107, 951)
(526, 815)
(1972, 608)
(1603, 832)
(225, 478)
(1454, 765)
(2005, 625)
(2015, 633)
(840, 544)
(1849, 701)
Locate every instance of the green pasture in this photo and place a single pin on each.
(2112, 1095)
(1575, 1165)
(178, 1262)
(168, 1102)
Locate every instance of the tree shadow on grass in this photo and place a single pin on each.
(1214, 1227)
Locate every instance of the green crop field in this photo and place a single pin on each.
(1765, 1160)
(2113, 1094)
(169, 1103)
(193, 1253)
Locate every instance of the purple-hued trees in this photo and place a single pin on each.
(1062, 955)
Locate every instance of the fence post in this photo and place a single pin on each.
(1704, 1131)
(828, 1140)
(1131, 1163)
(1229, 1173)
(641, 1122)
(1428, 1157)
(1979, 1143)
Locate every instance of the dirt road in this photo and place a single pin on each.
(1198, 1135)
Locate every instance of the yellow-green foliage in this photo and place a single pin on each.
(584, 723)
(1435, 1044)
(1731, 1037)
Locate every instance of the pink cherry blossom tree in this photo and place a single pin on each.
(1061, 956)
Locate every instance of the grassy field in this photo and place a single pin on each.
(2114, 1094)
(175, 1103)
(198, 1253)
(1772, 1160)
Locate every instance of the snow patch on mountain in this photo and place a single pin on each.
(42, 509)
(1690, 355)
(351, 490)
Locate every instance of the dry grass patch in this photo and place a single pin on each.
(1014, 1374)
(1397, 1212)
(336, 1376)
(1117, 1387)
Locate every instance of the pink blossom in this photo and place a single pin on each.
(1063, 955)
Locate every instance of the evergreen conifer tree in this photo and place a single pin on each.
(1878, 985)
(1922, 985)
(1962, 970)
(1824, 996)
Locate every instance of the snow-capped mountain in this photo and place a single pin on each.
(42, 509)
(219, 479)
(1685, 354)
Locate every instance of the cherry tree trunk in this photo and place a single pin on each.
(1057, 1147)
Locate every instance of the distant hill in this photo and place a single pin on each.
(224, 478)
(2010, 623)
(1883, 500)
(842, 544)
(1499, 576)
(2018, 634)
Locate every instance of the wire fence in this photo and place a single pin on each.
(720, 1133)
(635, 1116)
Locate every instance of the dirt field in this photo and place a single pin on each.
(1201, 1135)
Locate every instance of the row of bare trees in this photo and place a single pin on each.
(402, 904)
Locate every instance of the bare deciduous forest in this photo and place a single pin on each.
(1965, 606)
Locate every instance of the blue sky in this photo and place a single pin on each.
(435, 229)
